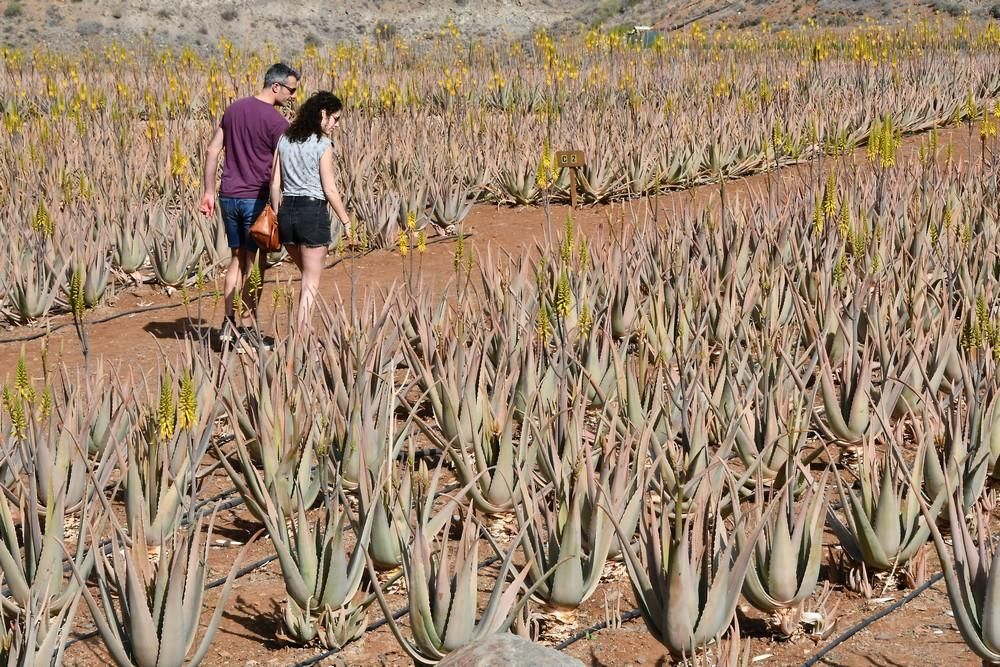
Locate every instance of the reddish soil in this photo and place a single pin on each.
(921, 633)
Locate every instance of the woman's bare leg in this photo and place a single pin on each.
(311, 266)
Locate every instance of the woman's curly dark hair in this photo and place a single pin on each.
(308, 120)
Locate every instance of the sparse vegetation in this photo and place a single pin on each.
(13, 9)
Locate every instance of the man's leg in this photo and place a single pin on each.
(251, 209)
(251, 298)
(231, 220)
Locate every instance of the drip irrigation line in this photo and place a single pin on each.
(167, 306)
(242, 572)
(850, 632)
(864, 623)
(586, 632)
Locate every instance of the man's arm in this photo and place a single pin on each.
(207, 205)
(276, 181)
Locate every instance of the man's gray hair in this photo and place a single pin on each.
(278, 73)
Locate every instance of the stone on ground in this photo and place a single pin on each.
(507, 650)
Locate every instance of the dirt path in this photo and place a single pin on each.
(134, 342)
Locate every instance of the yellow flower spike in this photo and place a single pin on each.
(563, 296)
(459, 251)
(830, 195)
(403, 243)
(421, 242)
(45, 404)
(187, 404)
(166, 417)
(22, 383)
(543, 326)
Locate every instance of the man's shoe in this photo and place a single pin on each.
(252, 337)
(229, 330)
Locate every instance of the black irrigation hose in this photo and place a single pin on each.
(627, 616)
(864, 623)
(850, 632)
(168, 306)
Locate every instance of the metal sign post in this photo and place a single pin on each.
(571, 160)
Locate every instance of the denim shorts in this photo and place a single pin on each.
(238, 216)
(304, 221)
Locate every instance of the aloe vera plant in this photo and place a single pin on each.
(321, 579)
(592, 480)
(476, 411)
(450, 204)
(275, 428)
(156, 621)
(443, 594)
(388, 498)
(771, 417)
(33, 291)
(971, 576)
(359, 374)
(129, 253)
(883, 526)
(160, 460)
(786, 559)
(62, 466)
(688, 570)
(38, 637)
(173, 252)
(41, 597)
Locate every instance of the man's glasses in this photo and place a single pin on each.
(291, 91)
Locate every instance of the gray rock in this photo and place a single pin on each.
(506, 650)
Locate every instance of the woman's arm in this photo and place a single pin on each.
(276, 181)
(330, 187)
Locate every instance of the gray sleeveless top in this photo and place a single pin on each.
(300, 166)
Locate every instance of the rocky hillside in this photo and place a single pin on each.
(199, 23)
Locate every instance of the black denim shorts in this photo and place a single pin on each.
(304, 221)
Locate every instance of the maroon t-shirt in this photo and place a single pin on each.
(251, 130)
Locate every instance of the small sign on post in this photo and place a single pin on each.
(571, 160)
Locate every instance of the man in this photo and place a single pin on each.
(249, 132)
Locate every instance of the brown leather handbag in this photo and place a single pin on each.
(264, 230)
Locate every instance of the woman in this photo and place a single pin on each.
(301, 186)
